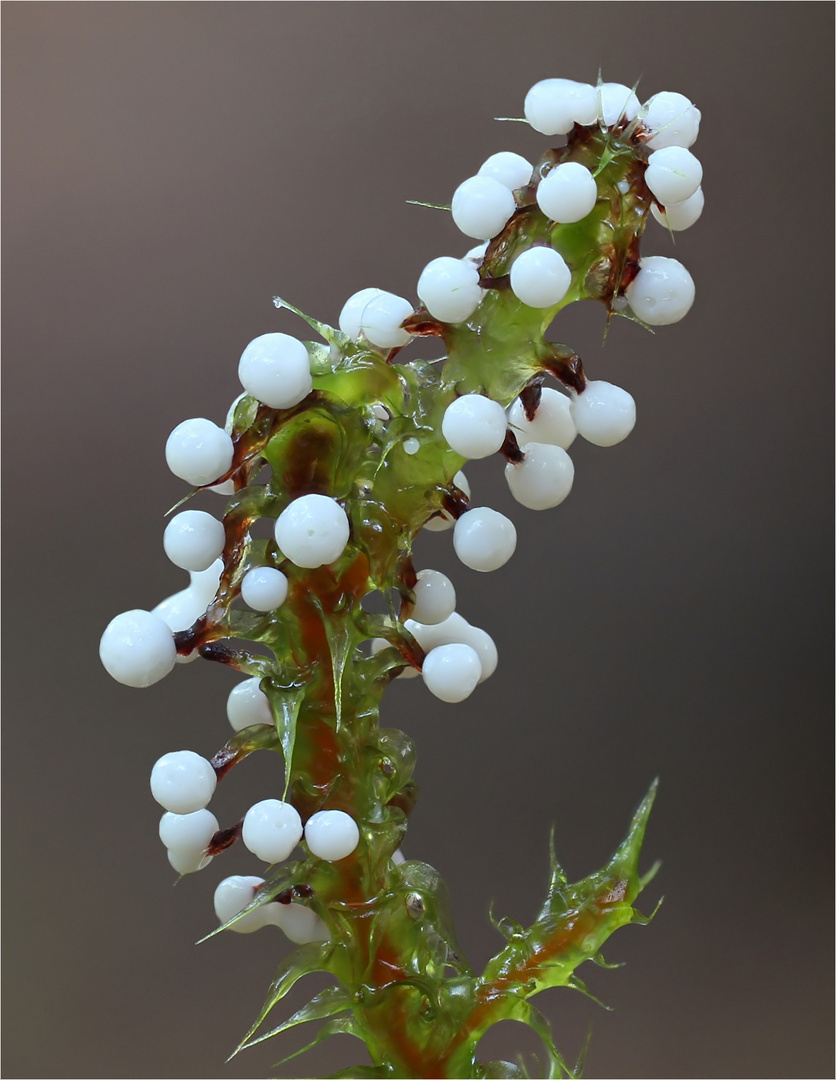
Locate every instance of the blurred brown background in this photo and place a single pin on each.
(168, 168)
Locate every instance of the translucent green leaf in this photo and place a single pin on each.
(285, 701)
(328, 1002)
(341, 1026)
(323, 329)
(282, 878)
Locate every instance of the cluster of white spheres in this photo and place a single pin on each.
(484, 539)
(275, 369)
(604, 414)
(312, 531)
(264, 588)
(234, 894)
(554, 106)
(474, 425)
(377, 315)
(459, 656)
(187, 836)
(183, 782)
(449, 289)
(662, 291)
(673, 174)
(199, 451)
(137, 648)
(540, 277)
(193, 540)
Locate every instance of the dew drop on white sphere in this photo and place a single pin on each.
(673, 174)
(272, 829)
(474, 425)
(605, 414)
(511, 170)
(680, 216)
(540, 277)
(276, 369)
(312, 531)
(662, 292)
(199, 451)
(264, 588)
(481, 207)
(193, 539)
(331, 835)
(247, 704)
(183, 782)
(449, 289)
(554, 106)
(552, 421)
(451, 672)
(567, 193)
(543, 478)
(137, 648)
(484, 539)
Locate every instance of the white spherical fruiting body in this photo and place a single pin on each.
(605, 414)
(312, 531)
(275, 369)
(186, 860)
(567, 193)
(670, 120)
(511, 170)
(331, 835)
(271, 830)
(673, 174)
(484, 539)
(435, 597)
(457, 630)
(554, 106)
(474, 425)
(449, 289)
(193, 540)
(183, 782)
(540, 277)
(451, 672)
(137, 648)
(662, 292)
(552, 423)
(232, 895)
(351, 315)
(481, 207)
(199, 451)
(381, 320)
(247, 704)
(299, 923)
(188, 830)
(179, 612)
(264, 588)
(680, 216)
(616, 103)
(543, 478)
(204, 583)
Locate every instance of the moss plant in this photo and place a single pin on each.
(351, 448)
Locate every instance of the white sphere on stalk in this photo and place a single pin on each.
(137, 648)
(543, 478)
(481, 207)
(276, 369)
(312, 530)
(662, 292)
(484, 539)
(199, 451)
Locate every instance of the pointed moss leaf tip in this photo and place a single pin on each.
(282, 878)
(285, 701)
(323, 329)
(341, 1026)
(327, 1003)
(429, 205)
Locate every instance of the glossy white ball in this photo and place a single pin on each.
(276, 369)
(232, 895)
(180, 611)
(204, 583)
(662, 292)
(300, 925)
(188, 860)
(552, 421)
(199, 451)
(457, 630)
(616, 103)
(451, 672)
(540, 277)
(193, 540)
(604, 414)
(435, 597)
(381, 320)
(680, 216)
(449, 289)
(188, 830)
(484, 539)
(247, 704)
(331, 835)
(671, 120)
(511, 170)
(474, 425)
(264, 588)
(271, 830)
(673, 174)
(554, 106)
(351, 315)
(543, 478)
(183, 782)
(312, 531)
(137, 648)
(481, 207)
(567, 193)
